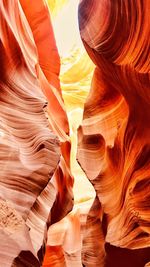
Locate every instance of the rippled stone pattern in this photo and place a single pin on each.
(114, 139)
(35, 179)
(110, 219)
(110, 141)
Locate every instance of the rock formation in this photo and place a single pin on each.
(35, 179)
(114, 139)
(107, 228)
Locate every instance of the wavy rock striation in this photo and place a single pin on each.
(114, 139)
(35, 178)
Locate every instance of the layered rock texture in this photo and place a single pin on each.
(35, 179)
(114, 139)
(113, 143)
(108, 225)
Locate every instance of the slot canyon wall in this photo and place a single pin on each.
(35, 179)
(75, 133)
(114, 139)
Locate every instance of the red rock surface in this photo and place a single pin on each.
(36, 201)
(35, 179)
(114, 139)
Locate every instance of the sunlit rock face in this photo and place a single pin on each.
(113, 142)
(64, 247)
(76, 67)
(75, 76)
(110, 218)
(35, 179)
(114, 139)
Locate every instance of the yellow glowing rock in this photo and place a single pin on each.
(75, 76)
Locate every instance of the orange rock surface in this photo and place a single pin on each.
(75, 102)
